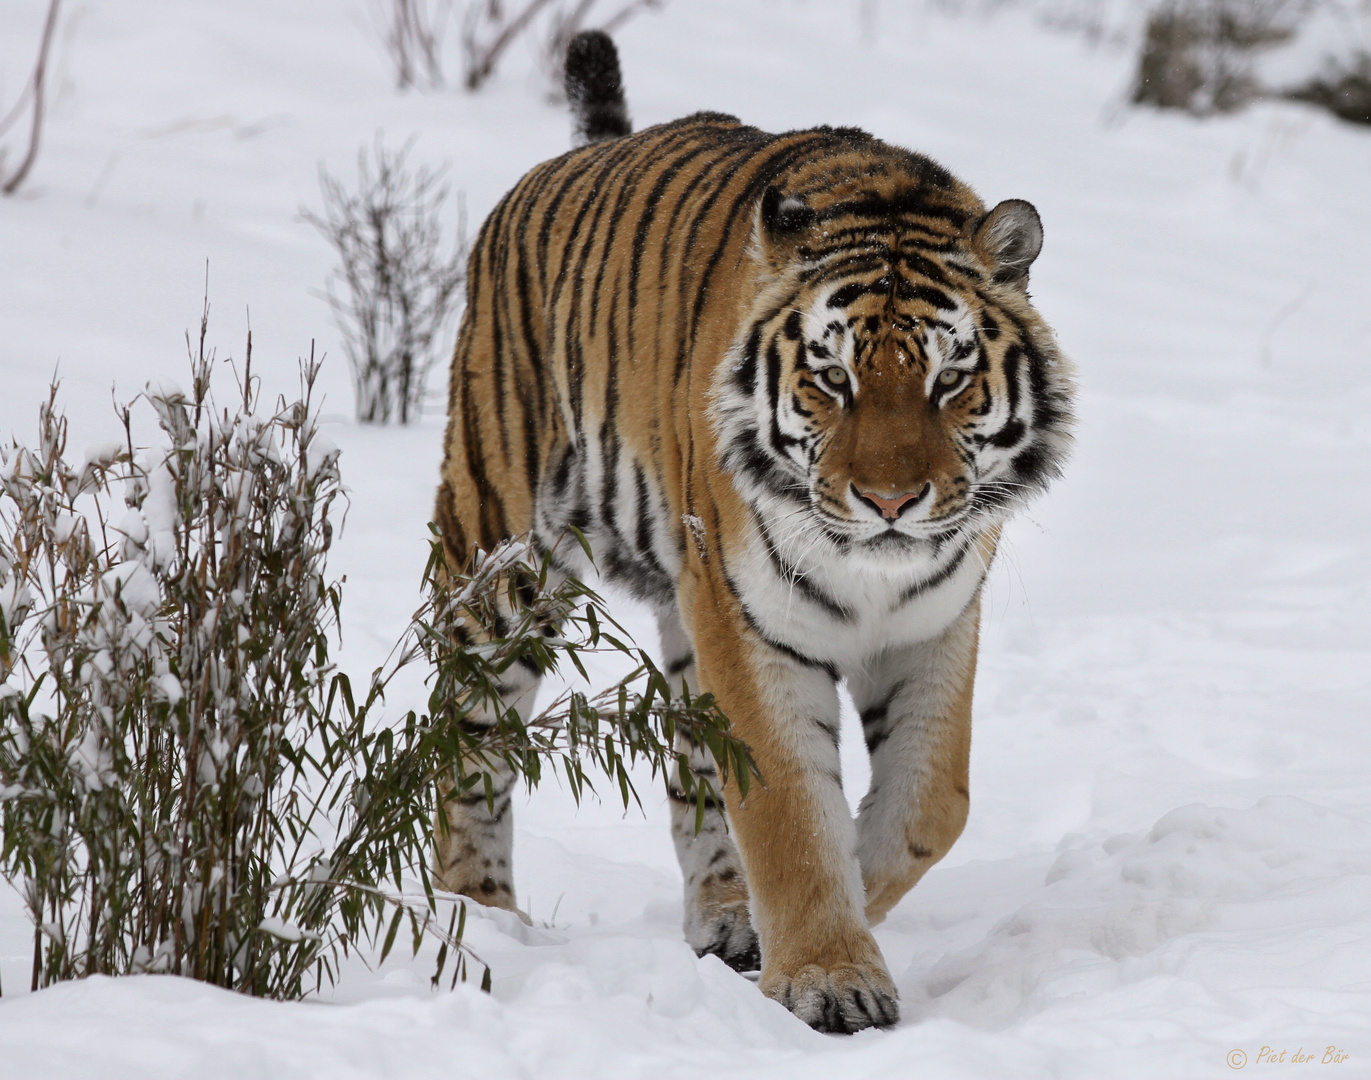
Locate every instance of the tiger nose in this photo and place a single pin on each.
(893, 506)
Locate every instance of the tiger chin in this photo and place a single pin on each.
(790, 387)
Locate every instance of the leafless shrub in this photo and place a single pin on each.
(399, 285)
(412, 33)
(1198, 55)
(33, 101)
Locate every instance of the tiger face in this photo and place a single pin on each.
(896, 389)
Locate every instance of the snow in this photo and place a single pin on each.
(1169, 851)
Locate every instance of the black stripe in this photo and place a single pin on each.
(492, 515)
(923, 267)
(744, 454)
(628, 189)
(779, 439)
(1008, 436)
(858, 262)
(746, 373)
(552, 212)
(829, 728)
(906, 203)
(647, 213)
(907, 290)
(645, 534)
(920, 587)
(722, 172)
(764, 173)
(794, 577)
(711, 803)
(782, 648)
(875, 719)
(1032, 466)
(850, 293)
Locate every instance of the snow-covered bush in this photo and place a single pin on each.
(1344, 90)
(1329, 61)
(160, 664)
(1198, 55)
(1208, 56)
(1215, 56)
(399, 285)
(187, 784)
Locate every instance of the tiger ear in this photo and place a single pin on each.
(781, 215)
(1009, 238)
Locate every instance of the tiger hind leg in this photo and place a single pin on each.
(716, 917)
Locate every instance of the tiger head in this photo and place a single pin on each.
(892, 386)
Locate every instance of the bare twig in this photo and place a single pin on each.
(35, 93)
(481, 57)
(413, 37)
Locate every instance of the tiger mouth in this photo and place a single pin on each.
(973, 515)
(873, 534)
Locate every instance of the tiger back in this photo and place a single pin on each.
(790, 387)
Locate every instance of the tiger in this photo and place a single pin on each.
(790, 387)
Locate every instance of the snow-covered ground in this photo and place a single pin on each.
(1169, 854)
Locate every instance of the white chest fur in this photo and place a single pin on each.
(843, 608)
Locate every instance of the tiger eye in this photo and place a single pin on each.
(950, 377)
(836, 375)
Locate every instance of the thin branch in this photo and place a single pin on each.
(481, 61)
(17, 110)
(39, 71)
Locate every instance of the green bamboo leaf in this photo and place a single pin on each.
(581, 539)
(390, 934)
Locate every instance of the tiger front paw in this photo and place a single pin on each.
(840, 1000)
(725, 931)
